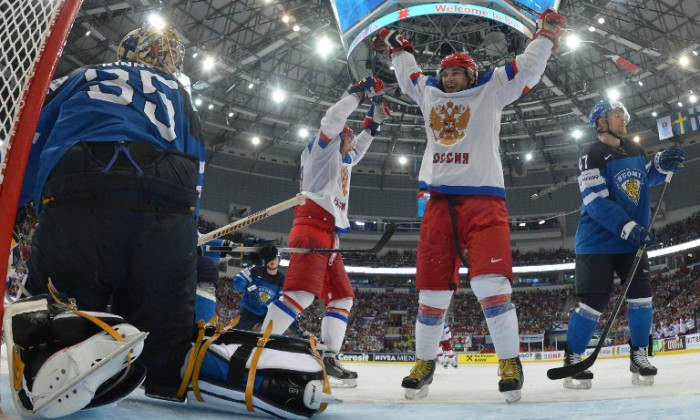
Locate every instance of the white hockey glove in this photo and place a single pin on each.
(551, 25)
(378, 113)
(390, 41)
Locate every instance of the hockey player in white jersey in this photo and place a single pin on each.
(446, 356)
(462, 169)
(326, 165)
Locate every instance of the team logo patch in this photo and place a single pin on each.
(448, 122)
(630, 182)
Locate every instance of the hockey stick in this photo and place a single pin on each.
(253, 218)
(388, 233)
(567, 371)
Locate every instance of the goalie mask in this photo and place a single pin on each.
(159, 48)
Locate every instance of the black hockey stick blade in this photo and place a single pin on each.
(566, 371)
(386, 236)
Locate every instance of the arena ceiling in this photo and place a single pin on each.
(255, 52)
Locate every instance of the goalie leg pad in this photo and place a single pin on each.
(54, 376)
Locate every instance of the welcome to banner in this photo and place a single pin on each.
(678, 123)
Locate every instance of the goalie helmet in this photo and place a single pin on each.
(601, 109)
(460, 60)
(159, 48)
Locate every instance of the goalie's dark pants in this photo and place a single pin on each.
(125, 240)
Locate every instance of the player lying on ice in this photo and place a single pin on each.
(62, 360)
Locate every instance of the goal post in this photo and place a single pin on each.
(32, 34)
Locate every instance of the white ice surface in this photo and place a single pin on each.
(467, 392)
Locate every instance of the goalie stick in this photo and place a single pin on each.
(299, 199)
(388, 233)
(567, 371)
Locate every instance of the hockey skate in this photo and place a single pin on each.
(453, 361)
(335, 369)
(512, 379)
(580, 380)
(643, 372)
(443, 360)
(417, 382)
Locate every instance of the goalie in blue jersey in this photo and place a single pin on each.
(115, 170)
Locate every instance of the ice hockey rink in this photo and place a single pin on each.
(469, 391)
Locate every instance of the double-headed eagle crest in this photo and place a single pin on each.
(448, 122)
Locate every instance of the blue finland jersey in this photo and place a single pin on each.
(269, 288)
(614, 184)
(126, 102)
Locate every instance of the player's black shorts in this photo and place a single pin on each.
(595, 274)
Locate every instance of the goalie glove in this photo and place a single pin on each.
(378, 113)
(551, 26)
(367, 88)
(390, 41)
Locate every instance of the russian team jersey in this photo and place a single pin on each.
(325, 171)
(462, 151)
(124, 102)
(614, 184)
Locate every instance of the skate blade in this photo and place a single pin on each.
(342, 383)
(640, 380)
(512, 396)
(571, 383)
(415, 394)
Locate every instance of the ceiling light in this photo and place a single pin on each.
(255, 140)
(208, 63)
(640, 83)
(636, 139)
(522, 224)
(692, 98)
(251, 85)
(601, 20)
(576, 134)
(403, 160)
(541, 222)
(303, 132)
(324, 46)
(195, 54)
(654, 113)
(278, 95)
(230, 114)
(87, 33)
(198, 102)
(296, 28)
(156, 21)
(683, 60)
(591, 29)
(528, 156)
(680, 104)
(573, 41)
(211, 106)
(285, 18)
(613, 94)
(695, 53)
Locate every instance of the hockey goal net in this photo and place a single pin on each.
(32, 35)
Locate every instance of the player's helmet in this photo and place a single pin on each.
(600, 110)
(460, 60)
(160, 48)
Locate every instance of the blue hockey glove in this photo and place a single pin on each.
(377, 114)
(638, 235)
(669, 160)
(367, 88)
